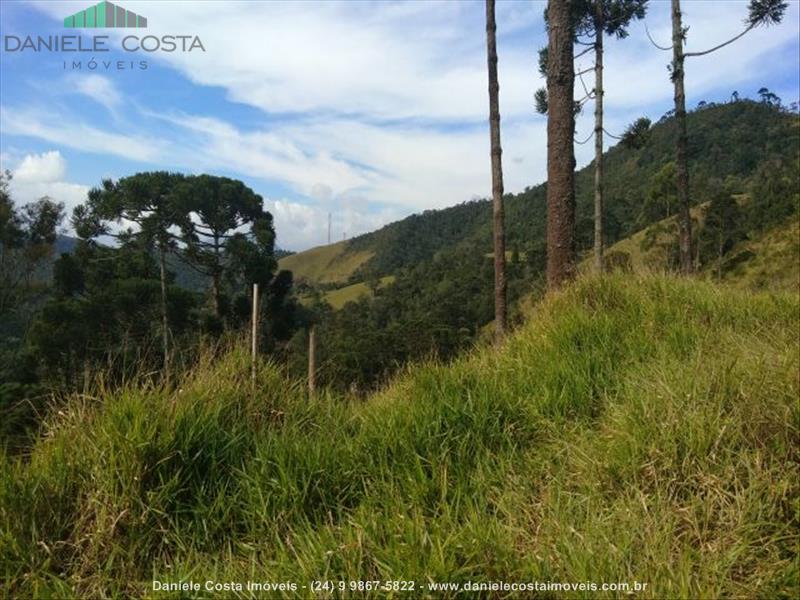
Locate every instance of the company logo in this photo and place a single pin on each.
(105, 14)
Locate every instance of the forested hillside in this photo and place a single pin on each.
(441, 296)
(729, 142)
(162, 265)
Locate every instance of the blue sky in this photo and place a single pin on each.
(368, 110)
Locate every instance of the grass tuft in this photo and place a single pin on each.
(635, 429)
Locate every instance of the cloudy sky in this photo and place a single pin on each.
(368, 110)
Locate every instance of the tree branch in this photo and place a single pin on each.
(652, 41)
(190, 264)
(616, 137)
(722, 45)
(583, 83)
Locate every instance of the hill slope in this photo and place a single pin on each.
(441, 298)
(767, 260)
(634, 430)
(350, 293)
(333, 263)
(727, 142)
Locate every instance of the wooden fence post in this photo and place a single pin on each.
(312, 360)
(254, 333)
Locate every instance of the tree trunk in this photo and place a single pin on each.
(500, 312)
(312, 360)
(598, 138)
(560, 150)
(215, 292)
(681, 159)
(215, 286)
(164, 321)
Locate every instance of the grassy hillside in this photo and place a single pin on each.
(768, 261)
(634, 430)
(337, 298)
(333, 263)
(638, 258)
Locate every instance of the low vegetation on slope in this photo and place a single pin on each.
(634, 430)
(768, 261)
(333, 263)
(337, 298)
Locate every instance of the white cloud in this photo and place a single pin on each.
(44, 124)
(321, 191)
(402, 166)
(100, 89)
(636, 72)
(377, 109)
(426, 60)
(71, 194)
(39, 175)
(385, 60)
(47, 167)
(267, 154)
(304, 226)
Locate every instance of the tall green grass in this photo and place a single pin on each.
(633, 430)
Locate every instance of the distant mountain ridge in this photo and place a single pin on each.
(64, 245)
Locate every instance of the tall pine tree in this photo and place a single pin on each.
(497, 176)
(761, 12)
(560, 149)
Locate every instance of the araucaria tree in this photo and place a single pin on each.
(604, 17)
(560, 150)
(150, 202)
(761, 12)
(591, 20)
(497, 176)
(218, 208)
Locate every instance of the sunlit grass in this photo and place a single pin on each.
(332, 263)
(632, 430)
(350, 293)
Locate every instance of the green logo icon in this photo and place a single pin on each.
(105, 14)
